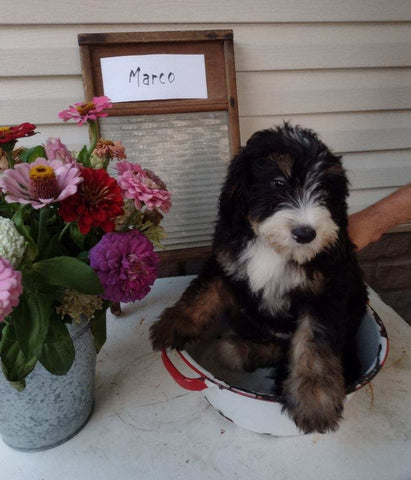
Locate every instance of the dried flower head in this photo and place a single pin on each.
(15, 155)
(79, 305)
(109, 150)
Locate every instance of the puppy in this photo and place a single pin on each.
(283, 275)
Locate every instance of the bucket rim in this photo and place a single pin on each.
(381, 356)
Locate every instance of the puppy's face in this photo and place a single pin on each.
(295, 192)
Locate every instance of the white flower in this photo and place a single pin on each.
(12, 244)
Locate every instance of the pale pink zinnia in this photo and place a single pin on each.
(81, 112)
(10, 288)
(40, 183)
(143, 186)
(56, 150)
(109, 149)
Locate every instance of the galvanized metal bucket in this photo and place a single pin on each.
(51, 409)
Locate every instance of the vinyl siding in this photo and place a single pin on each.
(341, 68)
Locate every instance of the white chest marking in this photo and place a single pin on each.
(269, 273)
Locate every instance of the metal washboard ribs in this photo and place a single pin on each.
(190, 153)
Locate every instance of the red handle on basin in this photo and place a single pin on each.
(195, 384)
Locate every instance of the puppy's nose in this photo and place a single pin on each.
(303, 234)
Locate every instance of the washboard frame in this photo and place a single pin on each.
(217, 47)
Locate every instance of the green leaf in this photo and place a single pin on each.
(69, 272)
(31, 322)
(15, 365)
(75, 235)
(83, 256)
(53, 248)
(58, 352)
(98, 328)
(84, 156)
(19, 386)
(30, 154)
(7, 209)
(154, 233)
(34, 282)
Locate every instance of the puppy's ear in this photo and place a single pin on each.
(233, 198)
(260, 137)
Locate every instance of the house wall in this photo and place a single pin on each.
(341, 68)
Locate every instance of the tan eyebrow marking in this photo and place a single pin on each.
(335, 170)
(284, 163)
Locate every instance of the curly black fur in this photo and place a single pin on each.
(283, 188)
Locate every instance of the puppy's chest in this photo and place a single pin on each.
(272, 277)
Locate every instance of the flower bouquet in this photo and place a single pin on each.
(73, 241)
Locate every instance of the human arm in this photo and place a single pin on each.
(370, 224)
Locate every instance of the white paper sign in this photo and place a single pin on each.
(153, 77)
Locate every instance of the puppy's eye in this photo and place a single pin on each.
(279, 182)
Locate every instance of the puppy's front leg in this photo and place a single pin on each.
(314, 390)
(203, 302)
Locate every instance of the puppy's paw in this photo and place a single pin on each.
(230, 354)
(169, 331)
(314, 407)
(238, 354)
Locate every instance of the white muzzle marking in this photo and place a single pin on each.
(276, 230)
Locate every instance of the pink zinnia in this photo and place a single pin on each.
(125, 264)
(56, 150)
(10, 288)
(40, 183)
(83, 111)
(143, 186)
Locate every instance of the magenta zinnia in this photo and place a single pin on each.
(40, 183)
(10, 288)
(143, 186)
(125, 264)
(84, 111)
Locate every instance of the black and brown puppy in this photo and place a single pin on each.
(283, 274)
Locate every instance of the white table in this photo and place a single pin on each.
(146, 427)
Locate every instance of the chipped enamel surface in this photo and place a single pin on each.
(246, 399)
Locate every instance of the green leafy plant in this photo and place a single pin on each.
(73, 240)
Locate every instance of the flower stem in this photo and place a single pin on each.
(93, 136)
(66, 227)
(8, 148)
(44, 215)
(132, 220)
(18, 219)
